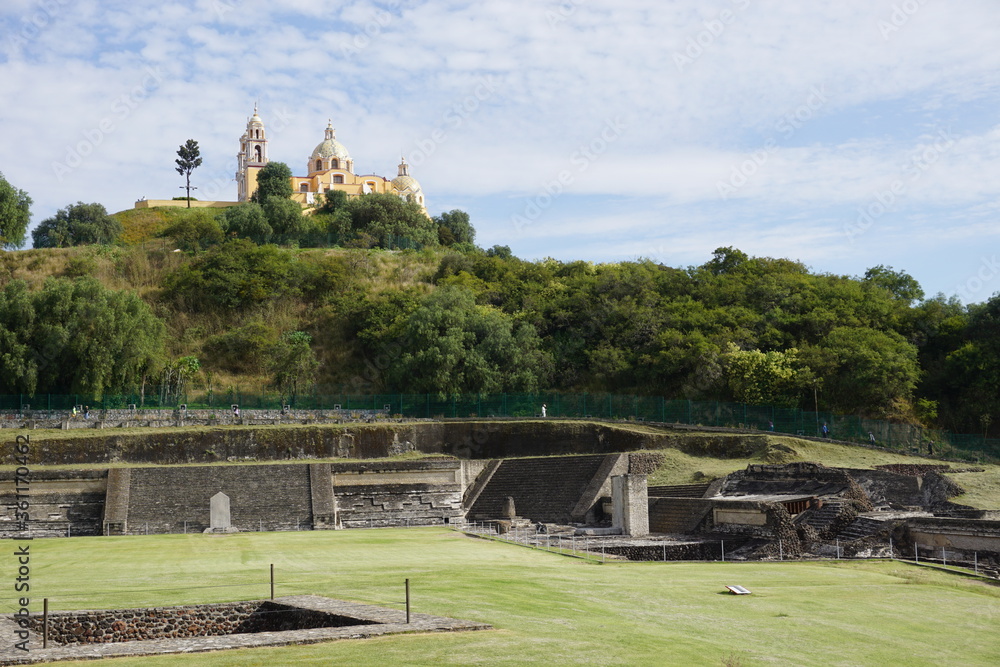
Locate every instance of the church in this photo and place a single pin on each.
(328, 167)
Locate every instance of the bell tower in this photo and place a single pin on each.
(252, 156)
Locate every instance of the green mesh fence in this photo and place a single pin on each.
(899, 437)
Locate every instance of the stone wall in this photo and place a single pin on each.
(321, 438)
(61, 502)
(176, 499)
(686, 551)
(124, 625)
(268, 497)
(398, 493)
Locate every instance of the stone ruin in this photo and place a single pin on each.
(297, 619)
(764, 511)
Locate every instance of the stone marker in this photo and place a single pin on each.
(219, 518)
(508, 508)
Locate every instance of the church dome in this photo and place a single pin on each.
(406, 184)
(330, 147)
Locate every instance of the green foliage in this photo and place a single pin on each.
(175, 377)
(864, 370)
(454, 227)
(763, 378)
(449, 345)
(76, 336)
(235, 275)
(286, 219)
(243, 349)
(197, 231)
(387, 218)
(188, 159)
(273, 180)
(293, 364)
(77, 224)
(332, 201)
(15, 212)
(247, 221)
(901, 285)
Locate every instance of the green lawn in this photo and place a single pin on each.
(547, 609)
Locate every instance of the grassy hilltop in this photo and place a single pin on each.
(221, 310)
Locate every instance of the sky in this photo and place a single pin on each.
(844, 134)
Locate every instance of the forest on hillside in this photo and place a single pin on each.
(179, 301)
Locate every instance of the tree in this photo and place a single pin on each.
(176, 375)
(389, 219)
(454, 227)
(235, 275)
(293, 363)
(285, 218)
(901, 285)
(15, 212)
(761, 378)
(76, 336)
(197, 230)
(274, 180)
(450, 345)
(864, 370)
(247, 221)
(189, 159)
(77, 224)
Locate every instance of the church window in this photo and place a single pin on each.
(337, 178)
(335, 164)
(257, 153)
(319, 165)
(303, 187)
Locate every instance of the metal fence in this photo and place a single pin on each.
(607, 549)
(793, 421)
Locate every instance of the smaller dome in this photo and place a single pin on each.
(330, 147)
(407, 183)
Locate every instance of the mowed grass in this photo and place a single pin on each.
(547, 609)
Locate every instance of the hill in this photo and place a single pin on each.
(460, 319)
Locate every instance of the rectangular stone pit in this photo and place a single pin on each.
(208, 620)
(296, 619)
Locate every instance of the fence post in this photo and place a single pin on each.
(407, 601)
(45, 622)
(722, 546)
(272, 581)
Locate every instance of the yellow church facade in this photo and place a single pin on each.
(329, 167)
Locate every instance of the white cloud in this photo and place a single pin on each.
(391, 74)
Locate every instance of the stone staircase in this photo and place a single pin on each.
(679, 491)
(677, 515)
(863, 526)
(544, 489)
(822, 518)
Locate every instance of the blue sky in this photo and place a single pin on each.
(844, 135)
